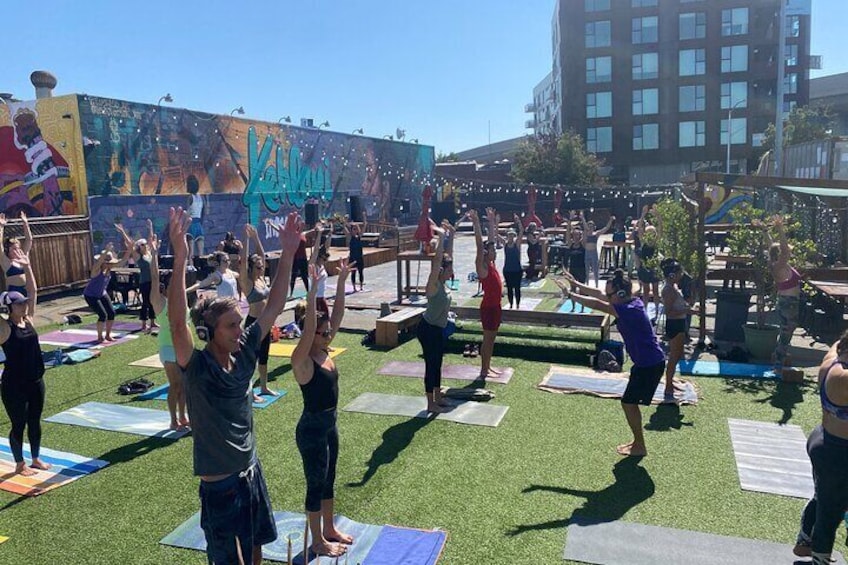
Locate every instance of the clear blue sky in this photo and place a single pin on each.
(444, 70)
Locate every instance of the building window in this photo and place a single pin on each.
(598, 69)
(598, 34)
(599, 140)
(792, 55)
(646, 136)
(734, 95)
(693, 62)
(734, 58)
(645, 66)
(692, 98)
(793, 26)
(788, 106)
(645, 30)
(790, 83)
(599, 104)
(646, 101)
(738, 131)
(597, 5)
(692, 134)
(642, 3)
(693, 25)
(734, 21)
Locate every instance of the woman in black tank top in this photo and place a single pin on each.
(317, 435)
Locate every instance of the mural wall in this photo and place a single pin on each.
(152, 150)
(41, 156)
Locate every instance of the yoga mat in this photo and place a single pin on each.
(330, 290)
(610, 385)
(66, 467)
(527, 304)
(571, 307)
(406, 545)
(535, 285)
(453, 285)
(80, 338)
(4, 538)
(623, 543)
(703, 368)
(161, 393)
(771, 458)
(152, 362)
(281, 349)
(469, 412)
(289, 525)
(119, 418)
(117, 326)
(415, 369)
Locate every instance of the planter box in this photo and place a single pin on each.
(731, 314)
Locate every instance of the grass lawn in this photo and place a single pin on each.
(504, 494)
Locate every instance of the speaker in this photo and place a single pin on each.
(356, 209)
(311, 213)
(405, 206)
(443, 211)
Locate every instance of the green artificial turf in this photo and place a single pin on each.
(504, 494)
(542, 332)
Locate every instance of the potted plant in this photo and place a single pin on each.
(751, 237)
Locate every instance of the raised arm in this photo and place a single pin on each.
(583, 289)
(607, 227)
(640, 225)
(339, 303)
(593, 302)
(156, 298)
(436, 263)
(26, 245)
(289, 240)
(32, 290)
(479, 264)
(128, 242)
(244, 253)
(781, 237)
(516, 219)
(4, 260)
(316, 243)
(301, 362)
(178, 223)
(584, 223)
(492, 220)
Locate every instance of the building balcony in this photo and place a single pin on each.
(530, 124)
(530, 108)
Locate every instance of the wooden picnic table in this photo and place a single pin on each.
(833, 289)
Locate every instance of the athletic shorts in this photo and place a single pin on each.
(195, 230)
(491, 318)
(674, 327)
(167, 354)
(642, 384)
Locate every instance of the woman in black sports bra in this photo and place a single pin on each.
(828, 451)
(317, 435)
(15, 262)
(256, 290)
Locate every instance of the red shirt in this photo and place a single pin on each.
(301, 248)
(492, 288)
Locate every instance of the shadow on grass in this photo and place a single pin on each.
(633, 485)
(779, 394)
(667, 417)
(279, 371)
(395, 440)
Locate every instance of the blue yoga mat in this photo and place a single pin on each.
(726, 369)
(571, 307)
(161, 393)
(404, 545)
(453, 285)
(614, 387)
(290, 525)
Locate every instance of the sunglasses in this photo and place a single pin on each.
(325, 333)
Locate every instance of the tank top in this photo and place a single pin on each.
(227, 286)
(438, 307)
(164, 338)
(322, 283)
(512, 258)
(322, 391)
(492, 288)
(355, 246)
(837, 411)
(679, 307)
(97, 286)
(195, 209)
(143, 264)
(24, 363)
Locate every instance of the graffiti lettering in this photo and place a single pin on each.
(274, 185)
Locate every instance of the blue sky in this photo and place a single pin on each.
(448, 72)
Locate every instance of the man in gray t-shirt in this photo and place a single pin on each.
(236, 514)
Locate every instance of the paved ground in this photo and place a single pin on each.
(381, 287)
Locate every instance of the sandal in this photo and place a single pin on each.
(467, 351)
(475, 351)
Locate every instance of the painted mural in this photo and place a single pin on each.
(720, 201)
(40, 150)
(149, 150)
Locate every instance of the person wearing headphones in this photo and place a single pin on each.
(640, 341)
(236, 514)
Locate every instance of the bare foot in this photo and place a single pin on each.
(37, 463)
(258, 399)
(24, 471)
(631, 450)
(184, 422)
(434, 408)
(269, 392)
(174, 425)
(329, 549)
(109, 338)
(337, 536)
(490, 374)
(495, 371)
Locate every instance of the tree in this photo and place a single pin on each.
(447, 157)
(548, 159)
(679, 240)
(805, 123)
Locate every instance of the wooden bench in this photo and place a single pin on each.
(595, 320)
(388, 327)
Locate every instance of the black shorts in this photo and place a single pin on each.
(643, 383)
(647, 276)
(674, 327)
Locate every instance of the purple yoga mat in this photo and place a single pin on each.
(458, 372)
(119, 325)
(76, 340)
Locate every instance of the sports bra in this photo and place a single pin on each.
(256, 295)
(791, 282)
(835, 410)
(14, 270)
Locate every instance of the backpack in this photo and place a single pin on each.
(135, 386)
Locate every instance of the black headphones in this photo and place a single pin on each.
(205, 332)
(621, 293)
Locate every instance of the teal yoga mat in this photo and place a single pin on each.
(161, 393)
(372, 544)
(726, 369)
(571, 307)
(119, 418)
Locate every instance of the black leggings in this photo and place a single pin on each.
(265, 346)
(102, 307)
(147, 312)
(317, 439)
(432, 340)
(513, 286)
(824, 512)
(24, 403)
(360, 267)
(300, 268)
